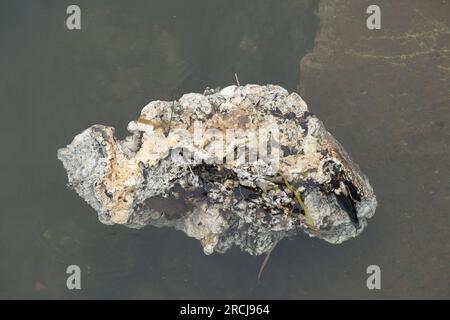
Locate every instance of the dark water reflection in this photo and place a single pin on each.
(55, 83)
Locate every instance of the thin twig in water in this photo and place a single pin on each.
(237, 79)
(266, 259)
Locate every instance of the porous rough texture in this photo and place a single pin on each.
(175, 171)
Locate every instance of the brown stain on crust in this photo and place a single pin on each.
(113, 191)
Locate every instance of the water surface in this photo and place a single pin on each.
(54, 83)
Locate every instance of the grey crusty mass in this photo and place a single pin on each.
(246, 166)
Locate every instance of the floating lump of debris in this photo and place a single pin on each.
(246, 166)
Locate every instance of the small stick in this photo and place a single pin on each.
(266, 259)
(237, 79)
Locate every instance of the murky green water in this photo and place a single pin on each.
(54, 83)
